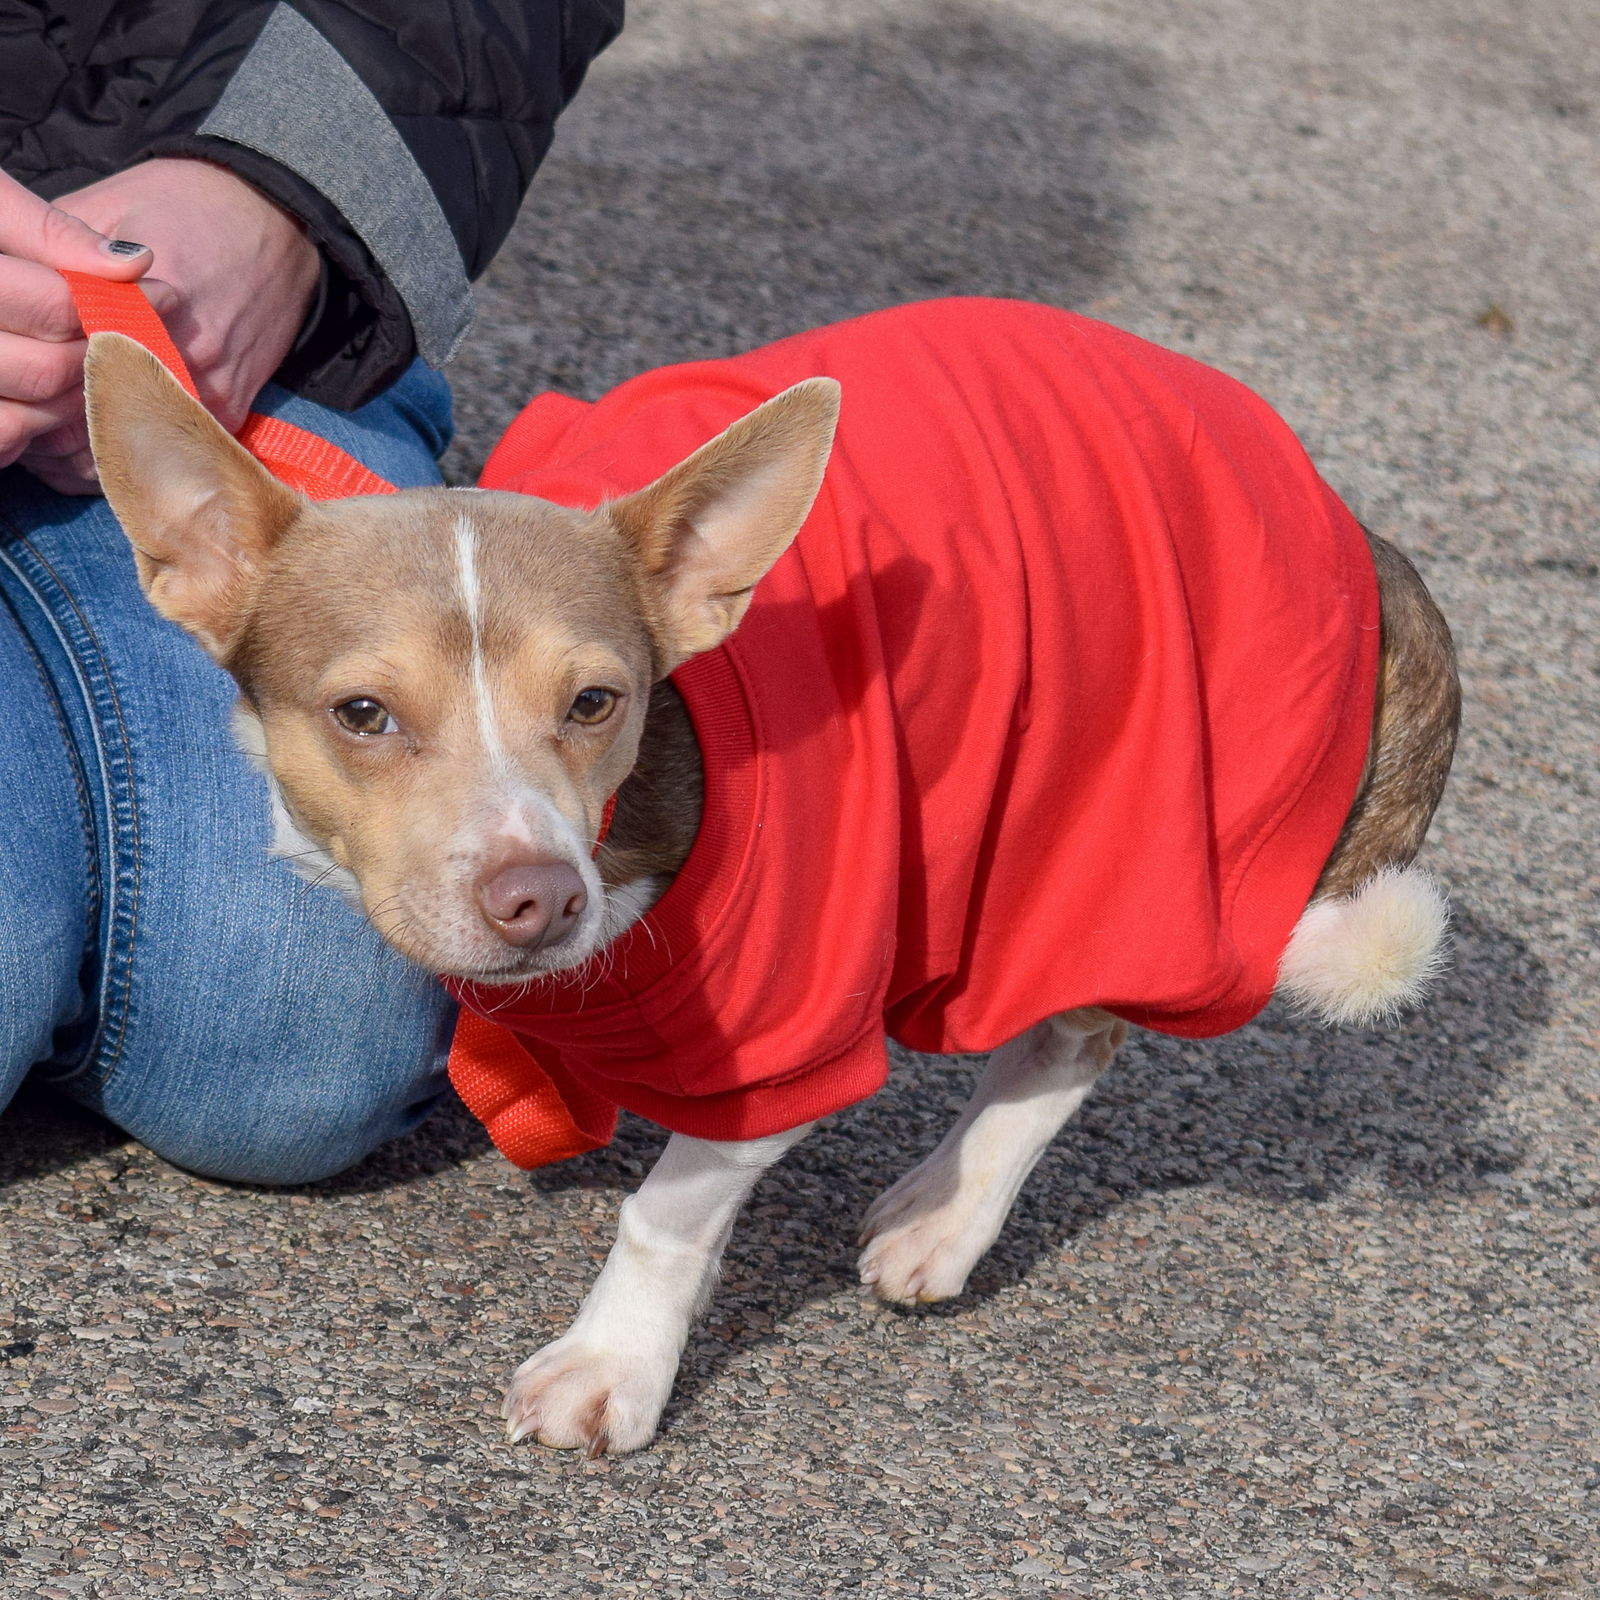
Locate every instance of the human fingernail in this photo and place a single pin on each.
(123, 248)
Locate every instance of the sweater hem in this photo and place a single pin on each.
(756, 1110)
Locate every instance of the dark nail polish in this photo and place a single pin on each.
(123, 247)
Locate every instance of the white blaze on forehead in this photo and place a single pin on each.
(516, 810)
(471, 600)
(525, 813)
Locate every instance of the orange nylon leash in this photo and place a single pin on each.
(319, 470)
(498, 1078)
(105, 307)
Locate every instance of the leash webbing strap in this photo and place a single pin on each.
(105, 307)
(303, 460)
(306, 461)
(498, 1077)
(506, 1087)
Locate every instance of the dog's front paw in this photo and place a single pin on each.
(922, 1240)
(577, 1394)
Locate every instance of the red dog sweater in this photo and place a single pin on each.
(1059, 699)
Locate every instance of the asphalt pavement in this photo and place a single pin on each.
(1290, 1314)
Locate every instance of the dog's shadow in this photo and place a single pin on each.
(1282, 1110)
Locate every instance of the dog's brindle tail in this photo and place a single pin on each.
(1415, 718)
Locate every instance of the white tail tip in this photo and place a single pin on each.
(1369, 955)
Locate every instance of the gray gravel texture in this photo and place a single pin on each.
(1290, 1314)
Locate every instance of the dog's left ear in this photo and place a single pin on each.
(199, 510)
(708, 530)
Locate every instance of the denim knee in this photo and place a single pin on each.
(240, 1023)
(45, 865)
(301, 1121)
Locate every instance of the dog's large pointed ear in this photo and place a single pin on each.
(709, 529)
(199, 510)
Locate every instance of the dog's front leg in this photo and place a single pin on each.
(602, 1385)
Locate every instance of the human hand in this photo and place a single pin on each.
(232, 275)
(41, 342)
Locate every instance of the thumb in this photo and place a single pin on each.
(35, 230)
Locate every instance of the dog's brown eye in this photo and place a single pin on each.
(364, 717)
(593, 705)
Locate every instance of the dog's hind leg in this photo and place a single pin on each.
(925, 1235)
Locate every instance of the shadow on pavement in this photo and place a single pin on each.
(955, 151)
(42, 1131)
(1283, 1110)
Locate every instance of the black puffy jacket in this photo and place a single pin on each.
(402, 135)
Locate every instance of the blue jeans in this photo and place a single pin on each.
(155, 963)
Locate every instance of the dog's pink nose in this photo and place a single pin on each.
(533, 904)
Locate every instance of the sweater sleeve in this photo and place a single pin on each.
(402, 136)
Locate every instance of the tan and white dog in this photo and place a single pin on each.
(446, 687)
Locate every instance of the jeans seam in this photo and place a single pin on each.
(80, 783)
(119, 879)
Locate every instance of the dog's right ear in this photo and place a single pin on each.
(707, 531)
(199, 510)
